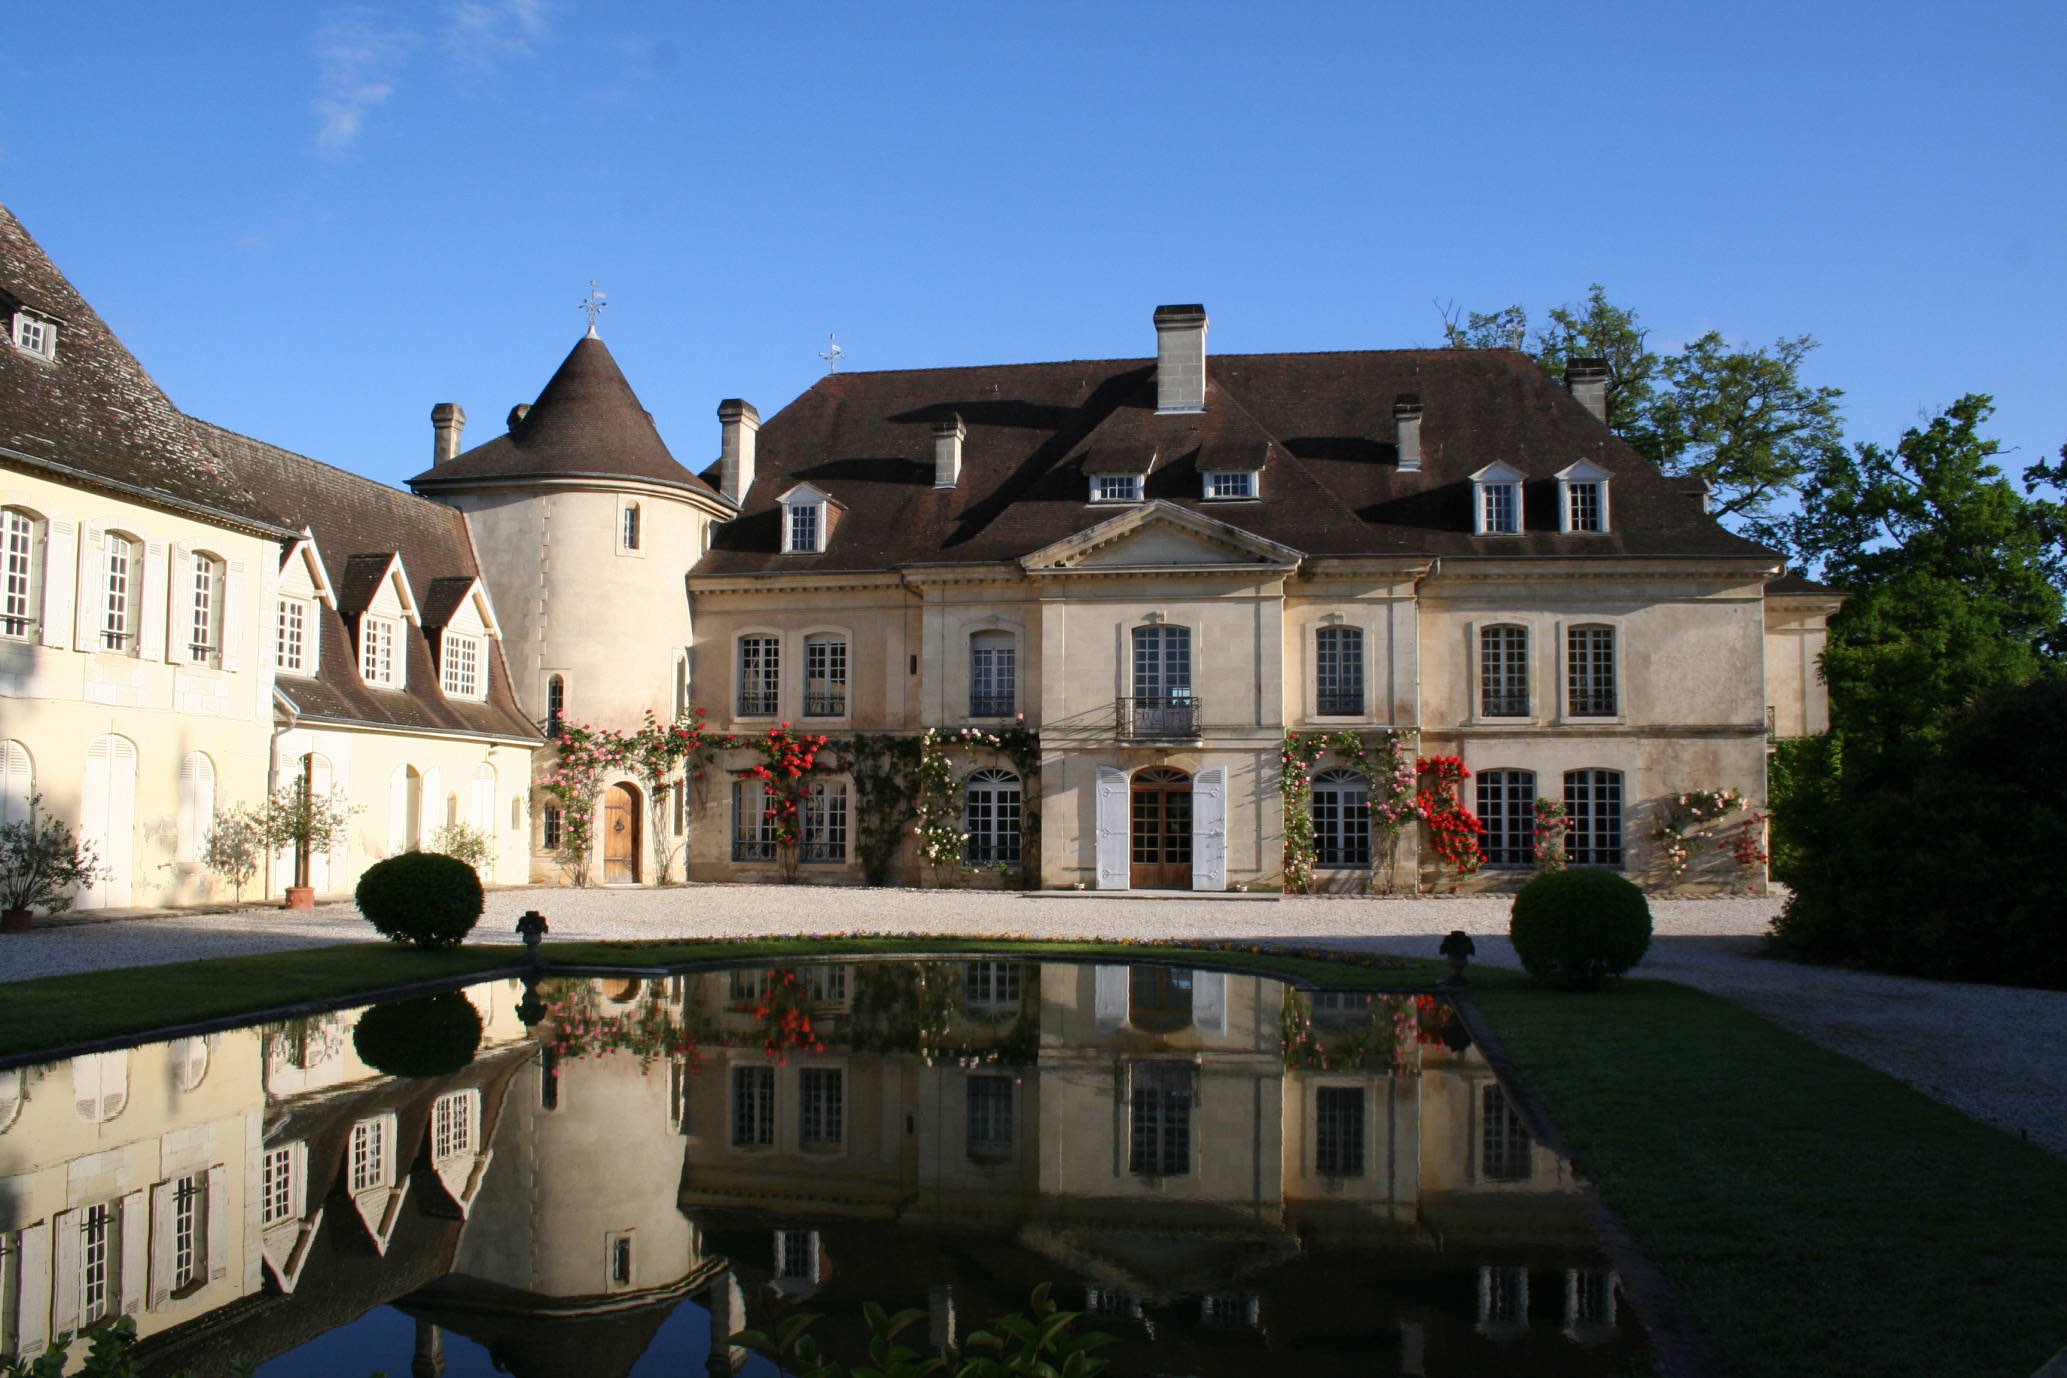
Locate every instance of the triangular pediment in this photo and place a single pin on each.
(1161, 535)
(1583, 471)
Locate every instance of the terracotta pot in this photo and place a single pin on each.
(16, 920)
(300, 897)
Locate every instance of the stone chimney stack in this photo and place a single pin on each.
(741, 425)
(947, 451)
(1406, 420)
(1180, 358)
(448, 424)
(1587, 380)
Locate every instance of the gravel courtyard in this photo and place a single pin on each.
(1914, 1030)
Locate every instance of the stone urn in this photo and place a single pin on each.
(300, 897)
(16, 920)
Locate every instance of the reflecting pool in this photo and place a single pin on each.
(601, 1177)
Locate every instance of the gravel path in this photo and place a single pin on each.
(1917, 1031)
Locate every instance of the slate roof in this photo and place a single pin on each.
(93, 414)
(359, 525)
(588, 423)
(1320, 424)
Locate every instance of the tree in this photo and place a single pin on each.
(236, 845)
(42, 862)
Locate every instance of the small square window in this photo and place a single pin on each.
(35, 335)
(1236, 485)
(1116, 488)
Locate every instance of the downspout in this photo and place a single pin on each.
(286, 717)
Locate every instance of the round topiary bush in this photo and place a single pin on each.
(421, 897)
(1580, 929)
(431, 1037)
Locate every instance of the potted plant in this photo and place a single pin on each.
(41, 863)
(297, 816)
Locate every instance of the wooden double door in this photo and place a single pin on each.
(620, 836)
(1159, 830)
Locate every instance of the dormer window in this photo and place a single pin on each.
(1116, 488)
(806, 525)
(462, 666)
(380, 657)
(1496, 495)
(34, 334)
(1238, 484)
(1582, 497)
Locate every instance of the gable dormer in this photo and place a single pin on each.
(297, 624)
(458, 623)
(1582, 498)
(1119, 473)
(808, 517)
(1496, 500)
(386, 608)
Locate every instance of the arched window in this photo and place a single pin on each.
(121, 584)
(204, 629)
(17, 782)
(1590, 672)
(196, 805)
(682, 704)
(1339, 672)
(481, 803)
(1341, 819)
(1593, 802)
(100, 1085)
(825, 675)
(630, 534)
(405, 810)
(555, 704)
(1507, 806)
(22, 536)
(189, 1058)
(993, 675)
(990, 817)
(10, 1097)
(1503, 672)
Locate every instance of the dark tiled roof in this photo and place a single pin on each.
(94, 410)
(1793, 583)
(359, 526)
(1320, 424)
(587, 423)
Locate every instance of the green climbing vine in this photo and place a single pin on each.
(882, 767)
(1386, 761)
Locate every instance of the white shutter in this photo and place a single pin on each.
(109, 820)
(136, 1253)
(1209, 1000)
(233, 613)
(154, 601)
(93, 587)
(17, 782)
(1209, 829)
(180, 613)
(162, 1201)
(398, 811)
(431, 811)
(191, 820)
(484, 799)
(1109, 1000)
(1112, 828)
(93, 820)
(32, 1316)
(218, 1208)
(64, 1281)
(60, 580)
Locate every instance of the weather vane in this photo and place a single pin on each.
(832, 353)
(594, 303)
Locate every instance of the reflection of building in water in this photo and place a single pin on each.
(1205, 1162)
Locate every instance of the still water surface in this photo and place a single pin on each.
(608, 1177)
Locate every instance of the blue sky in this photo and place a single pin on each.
(313, 221)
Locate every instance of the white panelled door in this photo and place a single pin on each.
(1209, 829)
(1109, 996)
(107, 819)
(1112, 828)
(1209, 1000)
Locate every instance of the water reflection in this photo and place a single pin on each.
(1216, 1165)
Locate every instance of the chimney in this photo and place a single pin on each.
(448, 423)
(518, 413)
(1180, 358)
(736, 452)
(1587, 380)
(1406, 420)
(947, 451)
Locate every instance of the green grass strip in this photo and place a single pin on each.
(1817, 1216)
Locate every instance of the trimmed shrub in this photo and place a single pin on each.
(425, 898)
(1580, 929)
(434, 1036)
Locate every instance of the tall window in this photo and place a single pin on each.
(1162, 662)
(372, 1156)
(753, 1107)
(760, 676)
(21, 572)
(1503, 672)
(205, 629)
(291, 655)
(825, 675)
(753, 823)
(1159, 998)
(196, 806)
(455, 1121)
(630, 534)
(1584, 510)
(1507, 806)
(1500, 508)
(379, 655)
(806, 527)
(1504, 1142)
(280, 1185)
(1590, 671)
(1341, 819)
(555, 704)
(821, 1107)
(990, 1118)
(990, 817)
(825, 823)
(462, 667)
(1338, 1131)
(549, 821)
(189, 1224)
(1339, 672)
(993, 675)
(121, 573)
(1159, 1135)
(991, 987)
(97, 1252)
(1593, 802)
(796, 1255)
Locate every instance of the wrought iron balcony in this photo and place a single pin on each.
(1504, 706)
(821, 705)
(10, 625)
(992, 705)
(1157, 719)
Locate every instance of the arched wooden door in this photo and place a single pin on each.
(1161, 830)
(620, 836)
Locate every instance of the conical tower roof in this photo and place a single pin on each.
(586, 424)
